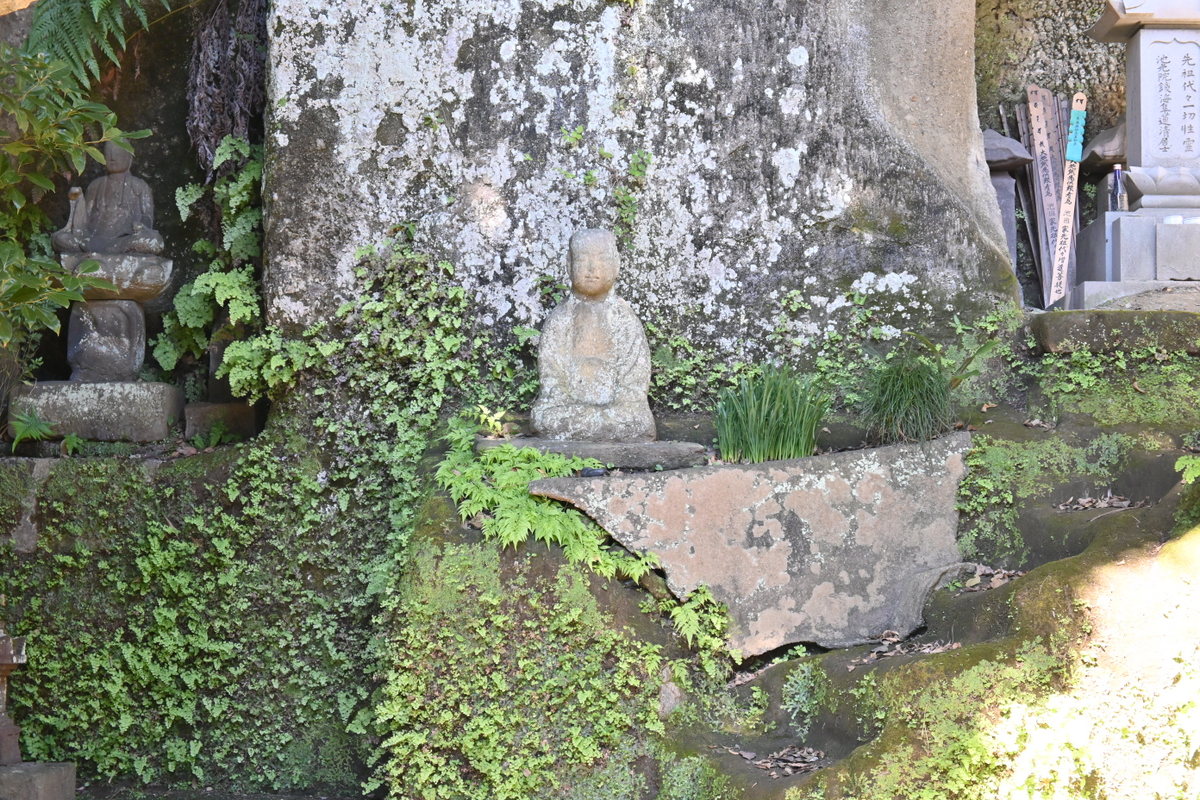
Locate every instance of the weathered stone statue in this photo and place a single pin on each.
(116, 215)
(112, 225)
(593, 360)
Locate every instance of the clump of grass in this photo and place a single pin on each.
(907, 398)
(770, 416)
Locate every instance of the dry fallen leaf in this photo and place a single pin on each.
(1137, 388)
(986, 407)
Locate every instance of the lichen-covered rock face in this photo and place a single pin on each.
(746, 154)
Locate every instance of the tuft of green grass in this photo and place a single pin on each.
(770, 416)
(907, 398)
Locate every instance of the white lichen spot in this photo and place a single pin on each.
(798, 56)
(508, 50)
(787, 163)
(869, 282)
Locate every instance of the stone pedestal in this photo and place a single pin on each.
(106, 412)
(618, 455)
(238, 419)
(10, 741)
(37, 782)
(106, 340)
(137, 277)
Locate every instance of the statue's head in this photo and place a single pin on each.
(117, 159)
(594, 263)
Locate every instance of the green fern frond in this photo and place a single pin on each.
(72, 31)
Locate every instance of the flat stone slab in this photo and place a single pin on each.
(104, 412)
(37, 781)
(1109, 330)
(618, 455)
(832, 549)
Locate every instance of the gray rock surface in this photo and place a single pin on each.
(593, 360)
(37, 781)
(106, 412)
(621, 455)
(832, 549)
(106, 340)
(833, 149)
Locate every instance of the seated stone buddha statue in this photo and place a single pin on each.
(593, 358)
(114, 216)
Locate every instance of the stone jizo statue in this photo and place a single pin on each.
(115, 216)
(593, 360)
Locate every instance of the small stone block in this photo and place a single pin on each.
(37, 781)
(1177, 252)
(105, 412)
(238, 419)
(620, 455)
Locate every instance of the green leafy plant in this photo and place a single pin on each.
(806, 690)
(908, 396)
(494, 487)
(71, 444)
(55, 129)
(228, 286)
(770, 416)
(219, 434)
(27, 425)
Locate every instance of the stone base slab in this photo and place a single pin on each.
(833, 549)
(1110, 330)
(1093, 294)
(105, 412)
(37, 781)
(618, 455)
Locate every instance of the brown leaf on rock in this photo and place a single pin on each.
(1108, 500)
(986, 577)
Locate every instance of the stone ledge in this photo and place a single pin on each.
(832, 549)
(1109, 330)
(619, 455)
(37, 781)
(104, 412)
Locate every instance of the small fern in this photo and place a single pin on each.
(493, 487)
(72, 31)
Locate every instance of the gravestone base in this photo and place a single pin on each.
(618, 455)
(1128, 252)
(104, 412)
(37, 781)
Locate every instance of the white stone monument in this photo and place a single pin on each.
(1158, 240)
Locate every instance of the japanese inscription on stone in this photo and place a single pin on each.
(1176, 100)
